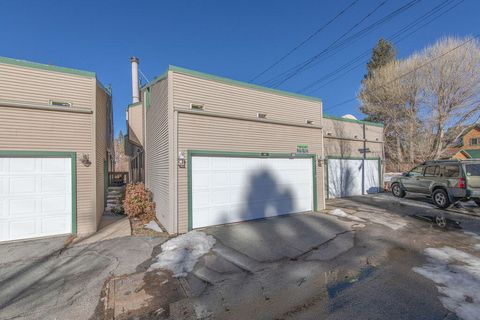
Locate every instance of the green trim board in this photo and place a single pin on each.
(379, 167)
(471, 153)
(212, 77)
(53, 154)
(47, 67)
(206, 153)
(105, 182)
(376, 124)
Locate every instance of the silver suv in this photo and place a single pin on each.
(446, 181)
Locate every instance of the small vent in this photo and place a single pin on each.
(308, 121)
(60, 103)
(196, 106)
(355, 136)
(329, 133)
(261, 115)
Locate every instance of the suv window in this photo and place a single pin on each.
(451, 171)
(473, 170)
(432, 171)
(418, 171)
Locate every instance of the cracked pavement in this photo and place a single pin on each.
(305, 266)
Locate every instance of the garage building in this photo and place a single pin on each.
(56, 148)
(220, 151)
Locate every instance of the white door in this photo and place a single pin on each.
(228, 189)
(345, 177)
(35, 197)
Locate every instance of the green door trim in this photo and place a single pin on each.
(380, 187)
(52, 154)
(210, 153)
(105, 182)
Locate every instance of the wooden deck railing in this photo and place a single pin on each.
(117, 178)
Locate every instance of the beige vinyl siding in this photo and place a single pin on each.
(347, 138)
(135, 124)
(200, 132)
(101, 146)
(40, 130)
(19, 83)
(157, 153)
(234, 100)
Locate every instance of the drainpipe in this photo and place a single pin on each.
(135, 91)
(364, 157)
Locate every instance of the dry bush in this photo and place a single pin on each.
(138, 202)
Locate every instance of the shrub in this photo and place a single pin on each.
(138, 202)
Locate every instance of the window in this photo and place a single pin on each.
(60, 103)
(451, 171)
(473, 170)
(431, 171)
(415, 172)
(474, 141)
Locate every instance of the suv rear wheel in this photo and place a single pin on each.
(397, 191)
(440, 198)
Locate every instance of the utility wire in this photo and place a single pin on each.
(310, 37)
(344, 43)
(411, 71)
(411, 25)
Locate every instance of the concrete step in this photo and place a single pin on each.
(208, 275)
(239, 259)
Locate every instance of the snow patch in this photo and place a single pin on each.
(180, 254)
(457, 275)
(152, 225)
(340, 213)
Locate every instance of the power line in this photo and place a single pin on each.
(344, 43)
(409, 26)
(409, 72)
(305, 41)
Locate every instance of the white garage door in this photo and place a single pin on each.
(228, 189)
(35, 197)
(345, 177)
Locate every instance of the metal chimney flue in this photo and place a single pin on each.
(135, 91)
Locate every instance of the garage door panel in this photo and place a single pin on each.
(22, 165)
(55, 205)
(35, 197)
(345, 177)
(22, 185)
(249, 188)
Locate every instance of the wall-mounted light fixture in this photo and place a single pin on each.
(85, 160)
(181, 160)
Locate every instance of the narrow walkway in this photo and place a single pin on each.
(110, 227)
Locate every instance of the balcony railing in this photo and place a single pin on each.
(117, 178)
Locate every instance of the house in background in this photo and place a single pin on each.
(469, 144)
(56, 149)
(217, 151)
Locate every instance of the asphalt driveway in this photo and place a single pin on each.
(365, 257)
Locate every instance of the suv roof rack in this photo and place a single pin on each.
(449, 160)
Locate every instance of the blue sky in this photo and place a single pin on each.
(234, 39)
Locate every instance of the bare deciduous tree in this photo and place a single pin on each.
(426, 99)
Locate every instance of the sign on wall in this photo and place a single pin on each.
(302, 148)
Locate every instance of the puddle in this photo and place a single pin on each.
(334, 289)
(439, 221)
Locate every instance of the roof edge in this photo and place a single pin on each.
(47, 67)
(376, 124)
(212, 77)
